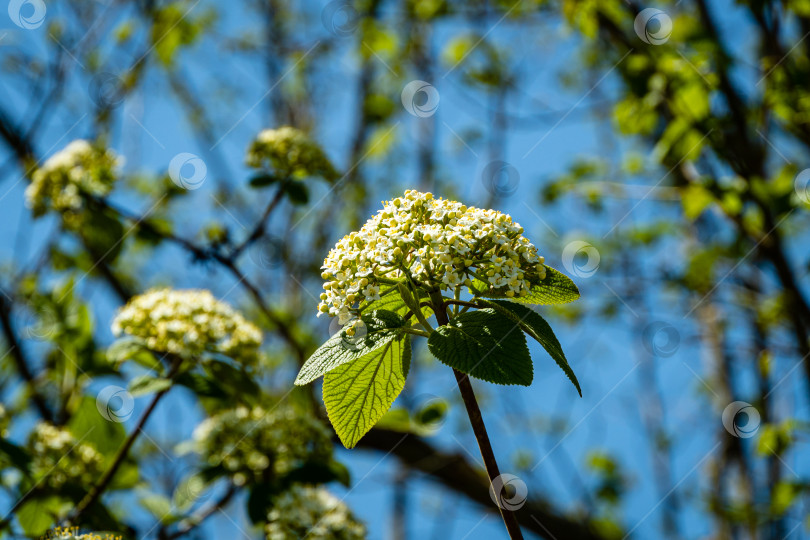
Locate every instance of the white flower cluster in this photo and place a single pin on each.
(289, 152)
(58, 457)
(73, 533)
(314, 513)
(79, 168)
(248, 443)
(438, 243)
(188, 323)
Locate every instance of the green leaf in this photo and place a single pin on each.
(189, 490)
(102, 235)
(485, 345)
(359, 393)
(88, 425)
(536, 326)
(129, 348)
(235, 381)
(146, 384)
(38, 514)
(297, 192)
(263, 180)
(202, 385)
(157, 505)
(396, 419)
(379, 328)
(15, 455)
(431, 415)
(318, 472)
(393, 302)
(556, 288)
(127, 477)
(695, 199)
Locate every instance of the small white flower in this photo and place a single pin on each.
(78, 168)
(312, 512)
(289, 152)
(188, 323)
(438, 243)
(247, 442)
(59, 457)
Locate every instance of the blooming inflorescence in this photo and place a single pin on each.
(80, 167)
(188, 323)
(438, 243)
(74, 533)
(252, 442)
(58, 457)
(312, 512)
(289, 152)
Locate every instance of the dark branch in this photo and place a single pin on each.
(456, 474)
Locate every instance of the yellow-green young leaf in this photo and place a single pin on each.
(147, 384)
(379, 328)
(38, 514)
(359, 393)
(380, 142)
(537, 327)
(695, 200)
(88, 425)
(129, 348)
(157, 505)
(783, 496)
(556, 288)
(486, 345)
(393, 301)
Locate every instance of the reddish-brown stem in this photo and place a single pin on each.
(479, 429)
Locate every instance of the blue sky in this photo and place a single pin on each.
(559, 126)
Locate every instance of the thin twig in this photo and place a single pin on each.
(226, 261)
(122, 453)
(194, 521)
(21, 362)
(259, 229)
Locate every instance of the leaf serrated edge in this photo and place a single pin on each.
(561, 361)
(405, 359)
(441, 330)
(305, 378)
